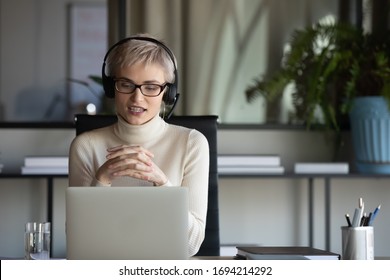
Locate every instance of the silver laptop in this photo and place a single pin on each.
(116, 223)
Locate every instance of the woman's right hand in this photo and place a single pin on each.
(134, 160)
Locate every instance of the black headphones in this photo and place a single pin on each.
(170, 96)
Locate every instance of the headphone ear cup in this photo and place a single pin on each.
(108, 86)
(170, 95)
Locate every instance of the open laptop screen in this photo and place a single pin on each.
(127, 223)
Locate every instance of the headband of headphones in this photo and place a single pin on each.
(170, 94)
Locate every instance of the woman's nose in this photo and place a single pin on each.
(137, 94)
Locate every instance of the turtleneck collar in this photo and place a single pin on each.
(139, 134)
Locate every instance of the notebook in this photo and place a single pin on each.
(116, 223)
(284, 253)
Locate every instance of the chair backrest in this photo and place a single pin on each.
(206, 125)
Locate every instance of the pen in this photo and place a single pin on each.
(368, 219)
(372, 218)
(361, 203)
(356, 217)
(348, 220)
(363, 220)
(361, 206)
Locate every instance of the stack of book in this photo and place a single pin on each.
(285, 253)
(249, 164)
(45, 165)
(321, 168)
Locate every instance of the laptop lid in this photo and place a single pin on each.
(113, 223)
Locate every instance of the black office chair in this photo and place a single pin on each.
(206, 125)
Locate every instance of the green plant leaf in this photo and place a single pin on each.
(330, 65)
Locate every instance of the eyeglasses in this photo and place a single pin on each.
(127, 87)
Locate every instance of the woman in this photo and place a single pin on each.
(141, 149)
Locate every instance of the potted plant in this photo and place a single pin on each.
(332, 66)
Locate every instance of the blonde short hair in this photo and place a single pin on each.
(134, 50)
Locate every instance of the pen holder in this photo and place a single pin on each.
(358, 243)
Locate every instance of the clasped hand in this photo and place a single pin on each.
(133, 161)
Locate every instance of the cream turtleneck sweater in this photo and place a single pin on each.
(181, 153)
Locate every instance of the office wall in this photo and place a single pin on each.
(252, 211)
(33, 56)
(227, 44)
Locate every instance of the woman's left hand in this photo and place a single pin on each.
(122, 163)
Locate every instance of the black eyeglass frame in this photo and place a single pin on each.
(162, 87)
